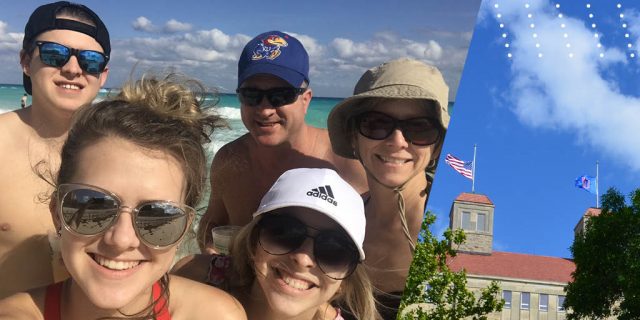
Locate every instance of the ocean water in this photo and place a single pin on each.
(227, 106)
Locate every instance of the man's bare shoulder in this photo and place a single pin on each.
(14, 136)
(349, 169)
(23, 305)
(13, 126)
(232, 154)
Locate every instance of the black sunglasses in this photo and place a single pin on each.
(89, 211)
(334, 252)
(277, 97)
(421, 131)
(57, 55)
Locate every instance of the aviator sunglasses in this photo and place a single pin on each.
(56, 55)
(88, 210)
(421, 131)
(333, 251)
(277, 97)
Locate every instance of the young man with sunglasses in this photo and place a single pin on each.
(64, 55)
(274, 93)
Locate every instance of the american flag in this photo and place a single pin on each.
(462, 167)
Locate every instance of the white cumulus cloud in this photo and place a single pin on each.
(174, 25)
(143, 24)
(562, 79)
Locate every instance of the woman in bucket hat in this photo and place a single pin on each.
(394, 124)
(301, 255)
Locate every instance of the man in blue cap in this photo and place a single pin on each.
(64, 58)
(274, 93)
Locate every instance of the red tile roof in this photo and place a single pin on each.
(515, 265)
(593, 212)
(474, 197)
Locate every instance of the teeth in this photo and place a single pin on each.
(296, 283)
(116, 265)
(392, 160)
(70, 86)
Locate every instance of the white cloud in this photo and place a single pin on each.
(356, 57)
(143, 24)
(571, 87)
(174, 25)
(212, 55)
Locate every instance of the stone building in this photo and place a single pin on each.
(532, 286)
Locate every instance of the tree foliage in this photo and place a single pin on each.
(433, 291)
(606, 281)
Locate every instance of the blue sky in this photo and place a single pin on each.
(540, 122)
(204, 38)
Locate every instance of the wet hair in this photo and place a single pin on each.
(355, 294)
(156, 113)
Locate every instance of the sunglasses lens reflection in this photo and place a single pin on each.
(57, 55)
(90, 212)
(334, 252)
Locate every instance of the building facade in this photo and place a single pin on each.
(532, 286)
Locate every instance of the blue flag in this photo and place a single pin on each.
(587, 183)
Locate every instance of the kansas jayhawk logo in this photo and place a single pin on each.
(269, 48)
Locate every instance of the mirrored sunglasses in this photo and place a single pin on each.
(87, 210)
(57, 55)
(334, 252)
(277, 97)
(421, 131)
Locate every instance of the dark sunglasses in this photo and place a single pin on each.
(421, 131)
(89, 211)
(334, 252)
(277, 97)
(56, 55)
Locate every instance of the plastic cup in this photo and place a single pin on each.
(222, 237)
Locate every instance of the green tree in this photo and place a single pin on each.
(606, 281)
(433, 291)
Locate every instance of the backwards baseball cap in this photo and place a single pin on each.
(321, 190)
(397, 79)
(44, 19)
(275, 53)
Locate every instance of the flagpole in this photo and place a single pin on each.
(473, 169)
(597, 183)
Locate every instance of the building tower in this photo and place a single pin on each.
(582, 224)
(473, 213)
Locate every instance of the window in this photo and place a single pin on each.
(467, 224)
(560, 303)
(506, 295)
(524, 300)
(482, 222)
(544, 302)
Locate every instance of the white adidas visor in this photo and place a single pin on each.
(321, 190)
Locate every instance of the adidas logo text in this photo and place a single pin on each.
(323, 193)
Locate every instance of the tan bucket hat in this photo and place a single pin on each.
(400, 79)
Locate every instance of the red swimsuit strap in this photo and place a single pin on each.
(161, 309)
(54, 291)
(52, 301)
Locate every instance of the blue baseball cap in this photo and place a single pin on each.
(275, 53)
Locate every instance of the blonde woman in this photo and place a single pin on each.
(301, 255)
(394, 124)
(132, 170)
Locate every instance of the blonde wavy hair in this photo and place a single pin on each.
(355, 294)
